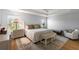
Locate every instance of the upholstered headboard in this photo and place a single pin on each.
(33, 26)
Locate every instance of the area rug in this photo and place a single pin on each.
(55, 45)
(4, 45)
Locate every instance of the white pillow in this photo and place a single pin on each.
(76, 30)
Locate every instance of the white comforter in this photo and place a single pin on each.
(35, 34)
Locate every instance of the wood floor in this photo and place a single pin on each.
(70, 45)
(13, 45)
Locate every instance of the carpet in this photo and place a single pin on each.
(55, 45)
(4, 45)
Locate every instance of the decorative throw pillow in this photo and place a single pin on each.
(70, 30)
(36, 26)
(30, 27)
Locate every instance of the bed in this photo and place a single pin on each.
(35, 34)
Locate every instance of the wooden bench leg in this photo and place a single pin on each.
(53, 38)
(45, 42)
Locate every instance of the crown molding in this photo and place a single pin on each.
(28, 12)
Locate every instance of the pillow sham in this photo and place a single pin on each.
(36, 26)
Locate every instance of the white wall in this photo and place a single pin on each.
(28, 18)
(0, 16)
(68, 20)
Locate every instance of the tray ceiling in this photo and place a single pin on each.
(48, 11)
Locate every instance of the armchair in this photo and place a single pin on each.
(72, 35)
(17, 34)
